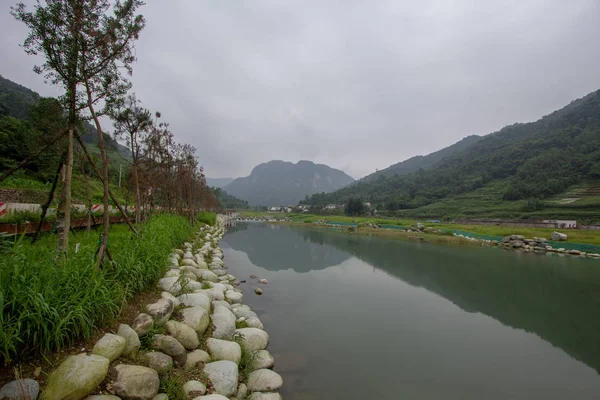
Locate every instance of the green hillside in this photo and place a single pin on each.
(525, 169)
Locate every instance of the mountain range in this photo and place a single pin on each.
(280, 183)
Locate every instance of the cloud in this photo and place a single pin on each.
(353, 84)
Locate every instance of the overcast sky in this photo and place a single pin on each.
(357, 85)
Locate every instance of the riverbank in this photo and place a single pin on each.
(191, 338)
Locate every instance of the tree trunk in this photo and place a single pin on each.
(106, 215)
(136, 183)
(88, 226)
(63, 212)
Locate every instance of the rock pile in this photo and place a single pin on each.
(199, 310)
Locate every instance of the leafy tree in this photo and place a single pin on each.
(354, 207)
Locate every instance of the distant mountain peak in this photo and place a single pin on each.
(278, 182)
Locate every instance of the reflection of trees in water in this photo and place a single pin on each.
(556, 298)
(278, 247)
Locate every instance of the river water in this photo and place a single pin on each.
(357, 317)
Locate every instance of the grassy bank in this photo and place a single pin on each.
(47, 307)
(575, 236)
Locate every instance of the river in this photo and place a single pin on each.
(365, 317)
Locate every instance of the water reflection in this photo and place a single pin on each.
(556, 298)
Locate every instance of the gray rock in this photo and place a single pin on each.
(233, 296)
(261, 359)
(211, 397)
(517, 237)
(264, 380)
(22, 389)
(223, 322)
(183, 333)
(195, 358)
(175, 285)
(252, 339)
(222, 303)
(169, 296)
(557, 236)
(258, 291)
(242, 391)
(76, 377)
(160, 311)
(264, 396)
(110, 346)
(189, 262)
(195, 299)
(193, 389)
(173, 273)
(254, 322)
(161, 396)
(197, 318)
(158, 361)
(132, 340)
(135, 382)
(207, 275)
(102, 397)
(223, 375)
(142, 324)
(169, 345)
(246, 313)
(263, 281)
(224, 350)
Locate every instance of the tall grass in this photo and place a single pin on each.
(46, 307)
(206, 217)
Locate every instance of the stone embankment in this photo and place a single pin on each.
(199, 329)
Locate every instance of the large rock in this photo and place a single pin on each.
(110, 346)
(242, 391)
(183, 333)
(557, 236)
(252, 339)
(158, 361)
(211, 397)
(264, 380)
(261, 359)
(131, 338)
(223, 375)
(22, 389)
(102, 397)
(196, 318)
(160, 311)
(195, 299)
(195, 358)
(142, 324)
(76, 377)
(233, 297)
(189, 262)
(224, 350)
(223, 322)
(222, 303)
(175, 285)
(135, 382)
(171, 346)
(264, 396)
(207, 275)
(161, 396)
(254, 322)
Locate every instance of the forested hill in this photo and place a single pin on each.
(416, 163)
(16, 101)
(280, 183)
(527, 160)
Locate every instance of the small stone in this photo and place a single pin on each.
(222, 303)
(135, 382)
(263, 281)
(142, 324)
(158, 361)
(76, 377)
(183, 333)
(252, 339)
(110, 346)
(223, 375)
(160, 311)
(258, 291)
(233, 297)
(211, 397)
(261, 359)
(161, 396)
(22, 389)
(253, 276)
(242, 391)
(102, 397)
(171, 346)
(131, 338)
(193, 389)
(224, 350)
(195, 358)
(264, 380)
(197, 318)
(254, 322)
(264, 396)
